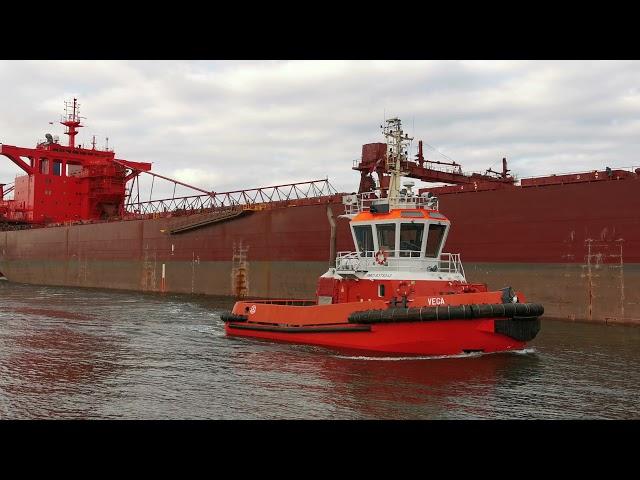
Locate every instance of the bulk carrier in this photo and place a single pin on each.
(76, 218)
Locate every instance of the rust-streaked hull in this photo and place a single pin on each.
(575, 248)
(288, 248)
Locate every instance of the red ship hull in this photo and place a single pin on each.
(459, 325)
(574, 247)
(411, 339)
(546, 224)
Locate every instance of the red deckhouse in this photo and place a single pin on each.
(66, 183)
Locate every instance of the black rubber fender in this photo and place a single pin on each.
(448, 312)
(232, 317)
(523, 329)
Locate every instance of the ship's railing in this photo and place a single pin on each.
(631, 169)
(398, 260)
(450, 263)
(286, 301)
(353, 261)
(255, 196)
(363, 202)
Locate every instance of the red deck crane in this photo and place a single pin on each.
(74, 184)
(374, 160)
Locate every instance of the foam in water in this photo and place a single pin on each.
(525, 351)
(202, 329)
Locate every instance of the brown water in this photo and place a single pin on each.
(76, 353)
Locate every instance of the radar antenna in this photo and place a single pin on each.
(71, 119)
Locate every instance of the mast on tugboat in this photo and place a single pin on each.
(397, 144)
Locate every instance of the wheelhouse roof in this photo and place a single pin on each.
(404, 214)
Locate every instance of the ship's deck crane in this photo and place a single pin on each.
(374, 159)
(71, 184)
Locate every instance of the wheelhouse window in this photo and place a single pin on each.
(364, 238)
(411, 239)
(73, 169)
(434, 239)
(387, 237)
(44, 165)
(57, 168)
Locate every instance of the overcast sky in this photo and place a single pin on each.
(226, 125)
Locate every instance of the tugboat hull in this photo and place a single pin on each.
(450, 337)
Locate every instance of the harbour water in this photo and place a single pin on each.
(96, 354)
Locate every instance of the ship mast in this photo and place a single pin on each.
(71, 120)
(397, 149)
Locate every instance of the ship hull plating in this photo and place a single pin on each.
(575, 248)
(433, 338)
(285, 251)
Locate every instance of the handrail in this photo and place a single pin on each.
(398, 260)
(630, 169)
(286, 301)
(362, 202)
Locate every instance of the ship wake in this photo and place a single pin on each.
(524, 351)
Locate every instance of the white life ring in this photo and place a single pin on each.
(381, 257)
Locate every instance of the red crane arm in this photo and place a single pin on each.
(14, 154)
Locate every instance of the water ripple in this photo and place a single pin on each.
(86, 353)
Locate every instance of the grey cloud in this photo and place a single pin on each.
(245, 124)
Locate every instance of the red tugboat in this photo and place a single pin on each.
(397, 294)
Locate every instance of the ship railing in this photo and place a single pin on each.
(450, 263)
(413, 201)
(630, 169)
(398, 260)
(363, 202)
(350, 261)
(285, 301)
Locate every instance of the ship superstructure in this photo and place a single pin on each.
(399, 236)
(66, 183)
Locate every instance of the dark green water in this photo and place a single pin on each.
(75, 353)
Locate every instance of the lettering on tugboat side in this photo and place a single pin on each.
(435, 301)
(379, 275)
